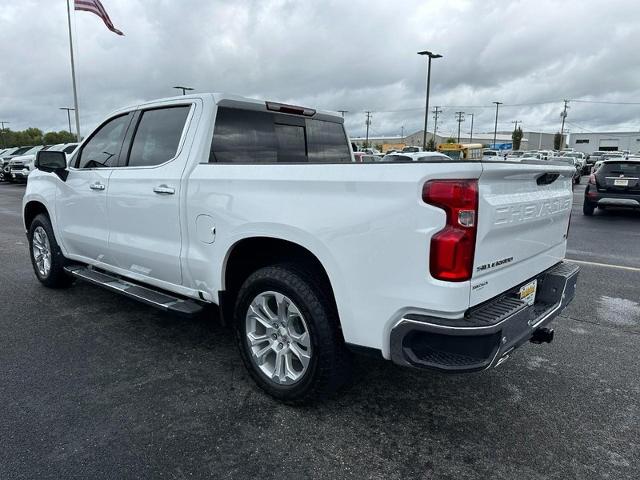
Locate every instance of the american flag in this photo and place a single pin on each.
(95, 6)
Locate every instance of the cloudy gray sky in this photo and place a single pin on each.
(351, 55)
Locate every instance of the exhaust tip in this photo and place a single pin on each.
(542, 335)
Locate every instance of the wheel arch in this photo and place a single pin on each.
(31, 210)
(251, 253)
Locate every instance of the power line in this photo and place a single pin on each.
(603, 102)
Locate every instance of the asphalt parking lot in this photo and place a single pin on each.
(93, 385)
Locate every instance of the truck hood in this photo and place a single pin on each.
(22, 159)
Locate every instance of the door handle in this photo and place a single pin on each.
(96, 186)
(164, 190)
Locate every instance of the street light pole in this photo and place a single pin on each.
(184, 89)
(426, 109)
(68, 109)
(471, 133)
(495, 128)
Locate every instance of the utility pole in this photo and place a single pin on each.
(563, 115)
(426, 108)
(495, 128)
(471, 134)
(68, 109)
(343, 112)
(436, 112)
(402, 132)
(2, 132)
(516, 122)
(368, 122)
(459, 119)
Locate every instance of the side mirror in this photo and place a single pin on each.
(54, 162)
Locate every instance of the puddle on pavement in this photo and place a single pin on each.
(619, 310)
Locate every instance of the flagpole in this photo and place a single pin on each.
(73, 75)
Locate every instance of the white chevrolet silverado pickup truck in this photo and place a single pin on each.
(258, 208)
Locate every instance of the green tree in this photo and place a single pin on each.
(450, 140)
(34, 136)
(63, 136)
(431, 145)
(516, 137)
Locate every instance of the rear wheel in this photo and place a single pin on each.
(46, 256)
(588, 208)
(288, 335)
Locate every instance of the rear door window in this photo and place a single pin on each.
(158, 136)
(247, 136)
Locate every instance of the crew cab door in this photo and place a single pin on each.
(145, 235)
(81, 211)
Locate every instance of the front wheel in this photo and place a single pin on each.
(46, 256)
(288, 333)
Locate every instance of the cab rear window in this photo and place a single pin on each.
(247, 136)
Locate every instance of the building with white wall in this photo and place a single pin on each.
(605, 141)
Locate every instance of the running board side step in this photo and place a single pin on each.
(160, 300)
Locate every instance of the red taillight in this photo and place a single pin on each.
(453, 247)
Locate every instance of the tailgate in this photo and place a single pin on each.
(523, 216)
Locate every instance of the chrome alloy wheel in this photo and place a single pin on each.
(278, 338)
(41, 251)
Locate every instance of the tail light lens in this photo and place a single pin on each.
(453, 247)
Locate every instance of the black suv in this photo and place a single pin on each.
(616, 183)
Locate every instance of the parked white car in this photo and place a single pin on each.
(21, 167)
(581, 160)
(493, 155)
(258, 207)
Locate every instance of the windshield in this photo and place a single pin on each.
(33, 150)
(21, 151)
(516, 154)
(410, 149)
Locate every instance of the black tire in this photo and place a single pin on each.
(56, 276)
(588, 208)
(329, 367)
